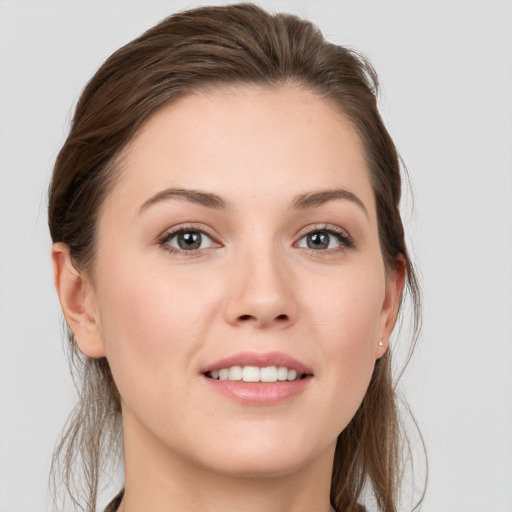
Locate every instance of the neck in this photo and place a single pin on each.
(160, 480)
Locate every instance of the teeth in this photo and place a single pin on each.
(282, 373)
(269, 374)
(235, 373)
(292, 374)
(255, 374)
(251, 374)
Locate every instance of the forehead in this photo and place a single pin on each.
(246, 141)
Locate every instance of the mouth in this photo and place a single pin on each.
(258, 367)
(255, 378)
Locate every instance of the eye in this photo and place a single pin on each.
(325, 239)
(186, 239)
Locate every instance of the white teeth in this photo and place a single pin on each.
(255, 374)
(282, 373)
(269, 374)
(292, 374)
(235, 373)
(251, 374)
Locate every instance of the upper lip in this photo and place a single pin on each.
(261, 360)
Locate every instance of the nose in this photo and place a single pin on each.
(262, 291)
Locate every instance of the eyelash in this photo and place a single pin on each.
(169, 235)
(341, 235)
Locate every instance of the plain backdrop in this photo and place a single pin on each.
(446, 71)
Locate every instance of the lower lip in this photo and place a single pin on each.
(258, 393)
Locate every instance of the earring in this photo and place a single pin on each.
(381, 343)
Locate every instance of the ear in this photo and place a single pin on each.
(78, 302)
(395, 281)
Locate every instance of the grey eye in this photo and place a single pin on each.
(319, 240)
(189, 240)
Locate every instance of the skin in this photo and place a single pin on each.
(160, 317)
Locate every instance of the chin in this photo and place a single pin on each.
(265, 456)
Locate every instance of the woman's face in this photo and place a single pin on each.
(242, 232)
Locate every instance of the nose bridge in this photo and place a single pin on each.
(262, 285)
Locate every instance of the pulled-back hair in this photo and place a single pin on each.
(193, 51)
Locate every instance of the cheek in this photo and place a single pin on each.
(348, 325)
(347, 308)
(152, 324)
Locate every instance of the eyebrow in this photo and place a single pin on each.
(194, 196)
(320, 197)
(210, 200)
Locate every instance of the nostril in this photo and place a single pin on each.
(280, 318)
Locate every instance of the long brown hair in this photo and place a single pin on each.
(192, 51)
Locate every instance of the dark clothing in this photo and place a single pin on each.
(114, 504)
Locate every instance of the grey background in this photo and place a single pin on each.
(446, 70)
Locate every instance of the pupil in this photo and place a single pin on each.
(318, 241)
(189, 240)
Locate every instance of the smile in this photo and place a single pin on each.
(256, 374)
(261, 379)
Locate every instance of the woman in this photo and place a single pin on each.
(230, 260)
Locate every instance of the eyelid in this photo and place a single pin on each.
(170, 233)
(342, 234)
(324, 227)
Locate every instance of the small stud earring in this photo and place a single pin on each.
(381, 343)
